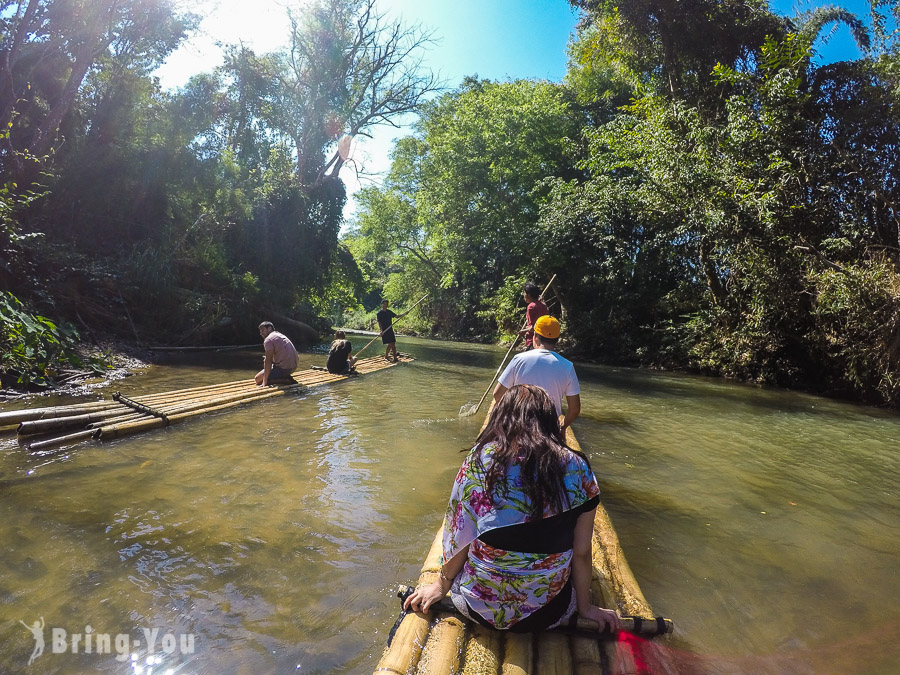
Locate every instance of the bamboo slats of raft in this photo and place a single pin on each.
(440, 643)
(122, 415)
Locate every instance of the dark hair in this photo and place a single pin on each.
(339, 335)
(550, 342)
(524, 429)
(532, 290)
(267, 324)
(384, 302)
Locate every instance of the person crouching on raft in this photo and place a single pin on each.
(281, 357)
(517, 532)
(339, 359)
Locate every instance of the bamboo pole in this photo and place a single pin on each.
(586, 659)
(62, 440)
(519, 654)
(580, 626)
(118, 420)
(484, 651)
(443, 647)
(67, 422)
(553, 655)
(16, 417)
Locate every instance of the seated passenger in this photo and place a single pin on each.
(517, 533)
(339, 359)
(281, 357)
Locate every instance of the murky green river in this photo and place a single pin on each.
(270, 538)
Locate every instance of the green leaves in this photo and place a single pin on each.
(459, 209)
(32, 347)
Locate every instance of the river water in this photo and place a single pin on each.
(766, 524)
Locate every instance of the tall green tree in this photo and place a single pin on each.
(670, 47)
(462, 200)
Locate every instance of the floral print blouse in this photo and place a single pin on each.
(503, 586)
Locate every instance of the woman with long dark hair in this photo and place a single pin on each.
(517, 533)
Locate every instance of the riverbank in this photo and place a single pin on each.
(119, 361)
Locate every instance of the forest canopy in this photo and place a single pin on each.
(709, 197)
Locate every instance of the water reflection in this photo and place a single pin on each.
(765, 523)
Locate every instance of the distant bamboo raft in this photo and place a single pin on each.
(441, 643)
(122, 415)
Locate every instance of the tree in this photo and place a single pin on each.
(672, 46)
(56, 45)
(462, 199)
(346, 69)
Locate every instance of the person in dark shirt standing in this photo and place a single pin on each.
(339, 359)
(385, 321)
(534, 311)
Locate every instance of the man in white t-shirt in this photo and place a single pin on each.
(545, 368)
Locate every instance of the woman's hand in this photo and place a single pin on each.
(606, 618)
(423, 598)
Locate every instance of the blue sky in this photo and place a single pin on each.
(495, 39)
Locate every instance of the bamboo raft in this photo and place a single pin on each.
(441, 643)
(121, 415)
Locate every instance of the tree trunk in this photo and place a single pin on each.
(46, 133)
(8, 94)
(712, 278)
(84, 57)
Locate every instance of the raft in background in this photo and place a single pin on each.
(122, 415)
(440, 643)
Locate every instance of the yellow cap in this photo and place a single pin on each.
(547, 327)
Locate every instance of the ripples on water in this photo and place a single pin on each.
(765, 523)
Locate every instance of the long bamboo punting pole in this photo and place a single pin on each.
(613, 586)
(129, 416)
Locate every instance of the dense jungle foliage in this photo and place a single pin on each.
(708, 196)
(186, 217)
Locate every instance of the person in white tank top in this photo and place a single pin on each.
(545, 368)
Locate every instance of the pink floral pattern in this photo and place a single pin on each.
(506, 586)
